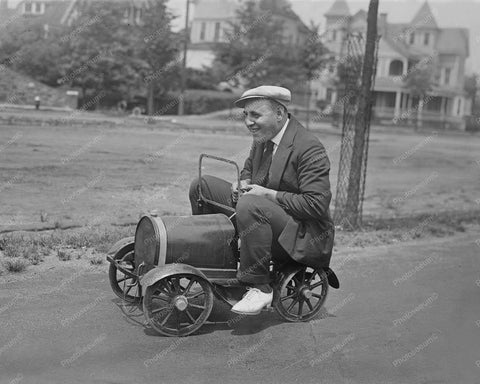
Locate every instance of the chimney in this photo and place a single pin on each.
(382, 24)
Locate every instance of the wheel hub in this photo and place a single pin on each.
(306, 293)
(180, 302)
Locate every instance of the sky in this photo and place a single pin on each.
(448, 13)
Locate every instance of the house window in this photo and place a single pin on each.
(447, 76)
(126, 15)
(28, 7)
(217, 31)
(202, 30)
(38, 8)
(426, 38)
(412, 38)
(396, 68)
(138, 15)
(334, 35)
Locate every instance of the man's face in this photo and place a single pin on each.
(261, 119)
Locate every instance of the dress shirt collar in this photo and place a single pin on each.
(278, 138)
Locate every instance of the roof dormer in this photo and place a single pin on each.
(423, 29)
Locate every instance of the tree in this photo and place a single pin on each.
(471, 88)
(158, 48)
(312, 58)
(26, 49)
(100, 56)
(256, 51)
(420, 81)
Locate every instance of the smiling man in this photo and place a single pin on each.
(283, 213)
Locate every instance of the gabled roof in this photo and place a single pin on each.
(361, 14)
(395, 38)
(226, 9)
(453, 41)
(338, 8)
(424, 18)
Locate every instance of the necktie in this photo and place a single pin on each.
(261, 178)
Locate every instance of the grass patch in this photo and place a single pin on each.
(21, 250)
(15, 265)
(381, 231)
(100, 239)
(22, 247)
(97, 260)
(35, 246)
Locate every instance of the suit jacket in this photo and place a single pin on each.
(300, 172)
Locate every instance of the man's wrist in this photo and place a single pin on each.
(272, 194)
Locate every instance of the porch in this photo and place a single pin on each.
(400, 108)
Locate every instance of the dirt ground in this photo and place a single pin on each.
(98, 173)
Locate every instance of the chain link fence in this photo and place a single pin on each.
(350, 74)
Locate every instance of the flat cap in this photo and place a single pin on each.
(281, 95)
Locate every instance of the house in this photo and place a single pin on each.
(212, 21)
(52, 13)
(58, 14)
(403, 47)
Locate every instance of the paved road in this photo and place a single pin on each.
(405, 314)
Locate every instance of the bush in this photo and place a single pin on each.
(199, 79)
(33, 253)
(472, 123)
(11, 249)
(63, 255)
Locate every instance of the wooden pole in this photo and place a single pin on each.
(353, 215)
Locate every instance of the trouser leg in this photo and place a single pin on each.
(260, 222)
(213, 188)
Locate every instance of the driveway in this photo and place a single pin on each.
(406, 313)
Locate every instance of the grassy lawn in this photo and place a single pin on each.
(108, 175)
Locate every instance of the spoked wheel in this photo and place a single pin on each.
(301, 294)
(122, 285)
(178, 305)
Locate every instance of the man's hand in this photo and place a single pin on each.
(258, 190)
(243, 185)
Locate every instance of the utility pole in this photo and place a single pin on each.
(353, 214)
(183, 73)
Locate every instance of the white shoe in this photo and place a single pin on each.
(253, 302)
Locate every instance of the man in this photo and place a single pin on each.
(284, 210)
(37, 102)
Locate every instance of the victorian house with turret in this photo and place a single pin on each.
(404, 48)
